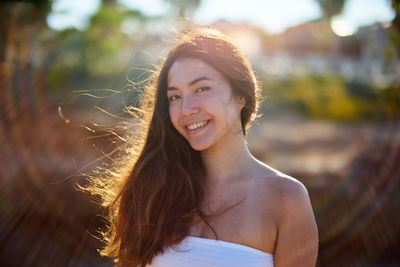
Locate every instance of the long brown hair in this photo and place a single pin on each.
(154, 197)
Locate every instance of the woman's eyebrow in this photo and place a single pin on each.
(202, 78)
(170, 88)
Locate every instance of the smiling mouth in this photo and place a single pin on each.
(196, 127)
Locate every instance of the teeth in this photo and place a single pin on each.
(196, 125)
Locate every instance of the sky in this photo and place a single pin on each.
(272, 15)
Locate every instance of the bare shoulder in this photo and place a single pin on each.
(297, 234)
(280, 185)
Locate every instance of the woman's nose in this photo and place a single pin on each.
(189, 106)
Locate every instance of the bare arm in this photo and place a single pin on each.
(297, 241)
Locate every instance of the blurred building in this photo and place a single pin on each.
(312, 47)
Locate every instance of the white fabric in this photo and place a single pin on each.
(204, 252)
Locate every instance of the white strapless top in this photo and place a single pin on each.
(204, 252)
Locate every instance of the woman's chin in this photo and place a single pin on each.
(199, 146)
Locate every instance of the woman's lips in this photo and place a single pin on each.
(196, 127)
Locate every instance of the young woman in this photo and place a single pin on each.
(194, 195)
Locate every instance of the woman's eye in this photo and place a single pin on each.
(202, 89)
(173, 97)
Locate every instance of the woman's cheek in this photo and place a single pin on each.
(173, 115)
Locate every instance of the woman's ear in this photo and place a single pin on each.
(241, 101)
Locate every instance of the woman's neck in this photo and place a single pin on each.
(227, 161)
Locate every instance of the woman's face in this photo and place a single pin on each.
(201, 104)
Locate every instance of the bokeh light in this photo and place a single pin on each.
(341, 27)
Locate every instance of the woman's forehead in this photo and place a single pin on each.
(186, 70)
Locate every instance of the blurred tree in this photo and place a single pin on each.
(331, 8)
(109, 2)
(33, 155)
(324, 96)
(23, 25)
(105, 41)
(99, 55)
(392, 94)
(184, 8)
(396, 19)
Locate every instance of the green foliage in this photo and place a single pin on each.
(331, 8)
(97, 56)
(331, 97)
(68, 59)
(184, 7)
(390, 101)
(396, 5)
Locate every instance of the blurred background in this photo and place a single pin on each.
(330, 74)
